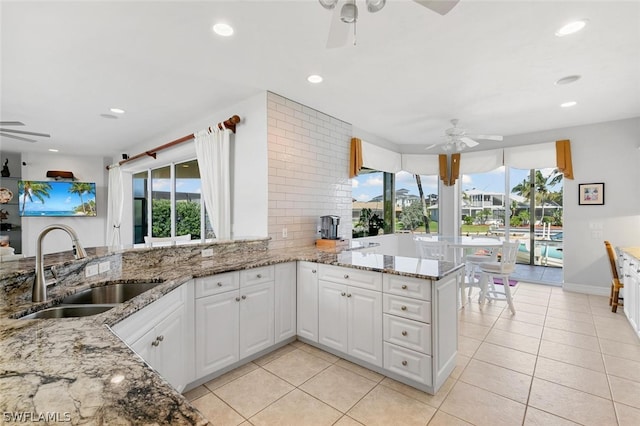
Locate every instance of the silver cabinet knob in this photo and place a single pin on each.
(343, 294)
(349, 295)
(237, 299)
(244, 297)
(155, 343)
(313, 271)
(404, 286)
(404, 308)
(259, 275)
(404, 363)
(404, 333)
(219, 284)
(160, 338)
(346, 276)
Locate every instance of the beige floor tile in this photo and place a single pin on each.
(532, 309)
(298, 344)
(620, 333)
(296, 367)
(604, 310)
(570, 305)
(572, 376)
(570, 325)
(482, 408)
(319, 353)
(468, 346)
(253, 392)
(625, 391)
(411, 392)
(523, 316)
(461, 363)
(443, 419)
(514, 325)
(499, 380)
(216, 411)
(296, 409)
(506, 357)
(384, 406)
(540, 301)
(347, 421)
(195, 393)
(364, 372)
(535, 417)
(513, 341)
(619, 349)
(572, 355)
(479, 318)
(274, 355)
(571, 404)
(572, 339)
(338, 387)
(490, 309)
(475, 331)
(230, 376)
(613, 320)
(621, 367)
(574, 316)
(627, 416)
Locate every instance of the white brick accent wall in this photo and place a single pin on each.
(308, 172)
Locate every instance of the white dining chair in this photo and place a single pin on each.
(499, 269)
(472, 263)
(431, 249)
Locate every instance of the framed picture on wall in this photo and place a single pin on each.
(591, 194)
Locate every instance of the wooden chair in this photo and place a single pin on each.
(616, 284)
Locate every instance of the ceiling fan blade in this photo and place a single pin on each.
(439, 6)
(17, 137)
(488, 137)
(338, 31)
(433, 145)
(468, 141)
(11, 123)
(22, 132)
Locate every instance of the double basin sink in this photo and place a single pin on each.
(94, 300)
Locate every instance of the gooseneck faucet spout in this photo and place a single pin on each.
(39, 292)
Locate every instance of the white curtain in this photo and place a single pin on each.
(378, 158)
(212, 151)
(480, 161)
(421, 164)
(115, 204)
(538, 156)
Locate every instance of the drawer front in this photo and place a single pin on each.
(259, 275)
(408, 363)
(419, 310)
(350, 276)
(407, 333)
(406, 286)
(214, 284)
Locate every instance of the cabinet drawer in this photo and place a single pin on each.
(406, 286)
(408, 363)
(259, 275)
(355, 277)
(407, 333)
(419, 310)
(214, 284)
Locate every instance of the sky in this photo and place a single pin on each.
(60, 199)
(367, 186)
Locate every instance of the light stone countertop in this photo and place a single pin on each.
(76, 369)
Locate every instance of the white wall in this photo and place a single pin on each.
(605, 152)
(89, 229)
(249, 171)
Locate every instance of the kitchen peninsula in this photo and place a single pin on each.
(78, 369)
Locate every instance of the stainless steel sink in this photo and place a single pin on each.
(69, 311)
(109, 294)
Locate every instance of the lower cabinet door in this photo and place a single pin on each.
(170, 349)
(285, 301)
(405, 362)
(217, 338)
(332, 315)
(365, 324)
(256, 318)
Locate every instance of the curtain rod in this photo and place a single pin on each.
(230, 124)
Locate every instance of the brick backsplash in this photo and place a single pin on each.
(308, 172)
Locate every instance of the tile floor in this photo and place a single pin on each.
(562, 359)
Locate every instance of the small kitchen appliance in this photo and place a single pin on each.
(329, 227)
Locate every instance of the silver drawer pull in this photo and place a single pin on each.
(155, 343)
(160, 338)
(404, 363)
(346, 276)
(259, 275)
(349, 295)
(313, 271)
(404, 333)
(404, 308)
(343, 294)
(219, 284)
(244, 297)
(404, 286)
(237, 299)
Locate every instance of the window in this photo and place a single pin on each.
(170, 197)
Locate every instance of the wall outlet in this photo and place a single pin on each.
(91, 270)
(319, 229)
(104, 266)
(285, 233)
(207, 252)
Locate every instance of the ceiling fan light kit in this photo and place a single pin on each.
(349, 12)
(328, 4)
(375, 5)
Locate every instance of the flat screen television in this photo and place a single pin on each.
(56, 198)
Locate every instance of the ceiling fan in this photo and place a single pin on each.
(12, 133)
(457, 138)
(348, 14)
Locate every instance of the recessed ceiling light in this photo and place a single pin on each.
(314, 78)
(224, 30)
(568, 104)
(53, 150)
(572, 27)
(111, 116)
(567, 80)
(117, 110)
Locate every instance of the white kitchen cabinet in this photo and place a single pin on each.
(285, 301)
(162, 334)
(307, 301)
(256, 318)
(350, 317)
(631, 290)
